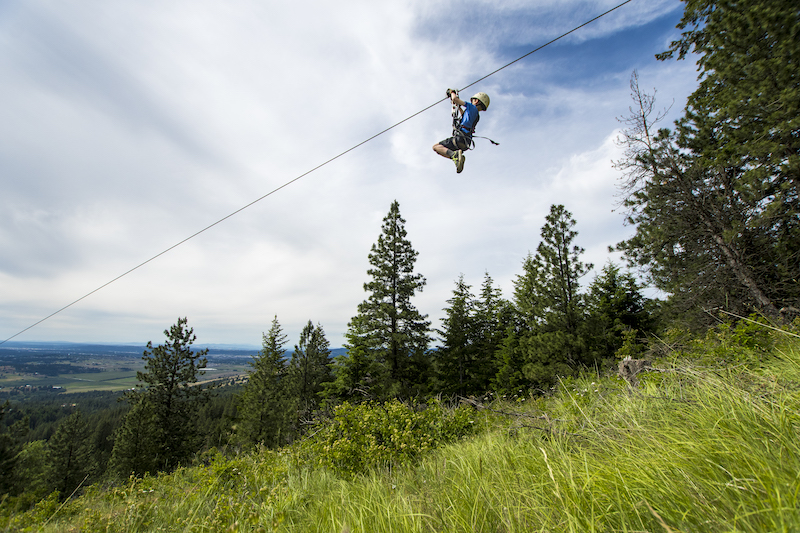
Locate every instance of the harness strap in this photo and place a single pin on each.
(464, 134)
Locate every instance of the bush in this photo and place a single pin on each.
(375, 435)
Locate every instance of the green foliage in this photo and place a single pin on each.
(70, 456)
(510, 360)
(11, 439)
(547, 299)
(748, 102)
(30, 471)
(472, 332)
(390, 330)
(135, 445)
(716, 201)
(263, 403)
(616, 313)
(493, 316)
(376, 435)
(44, 512)
(453, 360)
(729, 343)
(309, 372)
(354, 374)
(160, 431)
(695, 448)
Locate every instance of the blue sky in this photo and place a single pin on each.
(128, 127)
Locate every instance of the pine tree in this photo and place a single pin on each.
(388, 328)
(716, 201)
(309, 372)
(30, 471)
(164, 412)
(510, 361)
(492, 319)
(549, 304)
(70, 455)
(263, 403)
(697, 226)
(136, 448)
(746, 110)
(615, 306)
(11, 443)
(354, 375)
(456, 357)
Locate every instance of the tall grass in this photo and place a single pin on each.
(691, 449)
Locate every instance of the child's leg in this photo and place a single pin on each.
(446, 148)
(443, 151)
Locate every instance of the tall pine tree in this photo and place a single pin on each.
(494, 317)
(135, 450)
(263, 403)
(550, 306)
(472, 332)
(456, 357)
(164, 409)
(309, 372)
(388, 328)
(11, 443)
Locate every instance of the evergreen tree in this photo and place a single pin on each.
(715, 202)
(263, 402)
(104, 425)
(746, 110)
(70, 455)
(354, 375)
(11, 443)
(309, 372)
(456, 357)
(551, 309)
(510, 362)
(388, 328)
(615, 306)
(30, 471)
(493, 317)
(165, 410)
(136, 448)
(217, 418)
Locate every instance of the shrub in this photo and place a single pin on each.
(374, 435)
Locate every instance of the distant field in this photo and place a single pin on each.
(104, 381)
(100, 369)
(111, 381)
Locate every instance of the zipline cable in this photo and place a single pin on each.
(190, 237)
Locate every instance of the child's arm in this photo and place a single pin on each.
(454, 97)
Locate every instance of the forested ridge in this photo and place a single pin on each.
(715, 205)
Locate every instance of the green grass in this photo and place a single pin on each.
(692, 449)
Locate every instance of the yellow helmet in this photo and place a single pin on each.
(483, 98)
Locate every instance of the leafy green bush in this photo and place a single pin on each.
(43, 512)
(370, 435)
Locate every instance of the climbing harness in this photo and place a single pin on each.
(462, 137)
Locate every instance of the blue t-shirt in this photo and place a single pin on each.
(469, 118)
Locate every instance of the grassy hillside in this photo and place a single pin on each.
(708, 441)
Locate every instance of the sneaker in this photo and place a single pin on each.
(459, 159)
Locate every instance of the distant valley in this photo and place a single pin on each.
(28, 368)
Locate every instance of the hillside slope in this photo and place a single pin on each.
(708, 441)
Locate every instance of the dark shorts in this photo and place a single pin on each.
(455, 143)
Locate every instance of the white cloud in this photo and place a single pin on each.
(137, 124)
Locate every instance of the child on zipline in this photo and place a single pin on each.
(454, 147)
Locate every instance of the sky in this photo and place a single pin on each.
(126, 127)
